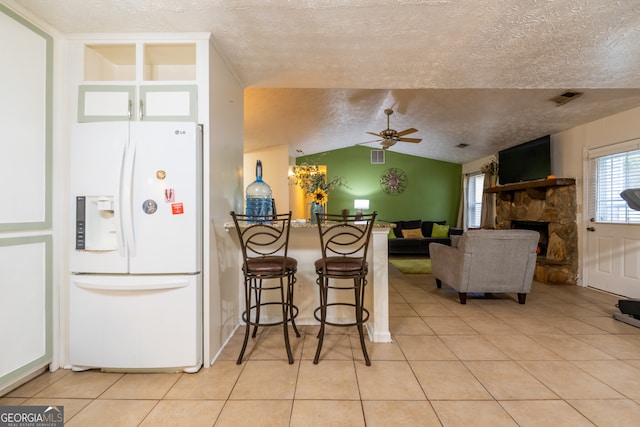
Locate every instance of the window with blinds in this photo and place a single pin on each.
(610, 175)
(474, 200)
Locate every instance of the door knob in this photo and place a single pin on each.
(591, 229)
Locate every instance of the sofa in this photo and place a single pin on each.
(413, 237)
(488, 261)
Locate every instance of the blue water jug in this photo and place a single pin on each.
(259, 196)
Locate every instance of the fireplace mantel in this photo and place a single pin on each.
(536, 189)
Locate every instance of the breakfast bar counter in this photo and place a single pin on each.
(304, 245)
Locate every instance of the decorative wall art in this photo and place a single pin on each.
(393, 181)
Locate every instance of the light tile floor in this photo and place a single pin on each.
(559, 360)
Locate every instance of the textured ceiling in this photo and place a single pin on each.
(319, 73)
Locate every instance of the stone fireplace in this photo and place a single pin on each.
(541, 227)
(548, 207)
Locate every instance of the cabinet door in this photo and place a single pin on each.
(168, 103)
(105, 103)
(25, 306)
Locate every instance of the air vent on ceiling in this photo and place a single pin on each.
(377, 157)
(566, 97)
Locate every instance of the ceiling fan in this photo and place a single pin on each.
(389, 137)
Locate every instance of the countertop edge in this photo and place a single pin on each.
(295, 224)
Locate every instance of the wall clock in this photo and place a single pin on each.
(393, 181)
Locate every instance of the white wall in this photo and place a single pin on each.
(225, 193)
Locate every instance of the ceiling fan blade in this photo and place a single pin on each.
(389, 137)
(407, 131)
(414, 140)
(368, 142)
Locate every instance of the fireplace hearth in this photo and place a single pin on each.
(548, 207)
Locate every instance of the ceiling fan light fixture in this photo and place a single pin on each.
(389, 137)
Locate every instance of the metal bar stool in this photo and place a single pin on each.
(344, 241)
(265, 244)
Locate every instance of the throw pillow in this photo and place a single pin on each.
(397, 231)
(440, 231)
(427, 227)
(391, 235)
(409, 225)
(414, 233)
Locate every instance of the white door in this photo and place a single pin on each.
(614, 258)
(97, 161)
(612, 230)
(166, 203)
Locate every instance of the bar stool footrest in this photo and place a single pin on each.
(274, 323)
(365, 313)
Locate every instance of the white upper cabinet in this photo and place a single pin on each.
(178, 103)
(100, 103)
(138, 81)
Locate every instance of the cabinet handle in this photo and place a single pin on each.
(130, 107)
(141, 111)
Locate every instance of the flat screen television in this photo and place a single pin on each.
(525, 162)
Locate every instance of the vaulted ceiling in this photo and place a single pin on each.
(320, 73)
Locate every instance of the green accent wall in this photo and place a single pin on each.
(432, 192)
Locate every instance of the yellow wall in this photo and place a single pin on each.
(300, 203)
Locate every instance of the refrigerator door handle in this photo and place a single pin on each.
(118, 206)
(126, 188)
(100, 285)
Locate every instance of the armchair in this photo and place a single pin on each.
(487, 261)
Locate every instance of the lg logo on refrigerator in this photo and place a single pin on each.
(180, 132)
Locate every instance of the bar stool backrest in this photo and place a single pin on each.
(261, 238)
(345, 236)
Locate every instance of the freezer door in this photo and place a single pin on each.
(128, 322)
(97, 161)
(165, 234)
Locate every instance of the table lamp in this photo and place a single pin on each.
(359, 205)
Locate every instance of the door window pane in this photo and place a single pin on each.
(611, 175)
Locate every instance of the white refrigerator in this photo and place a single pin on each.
(135, 297)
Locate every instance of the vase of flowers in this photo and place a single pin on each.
(316, 208)
(316, 186)
(318, 199)
(491, 171)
